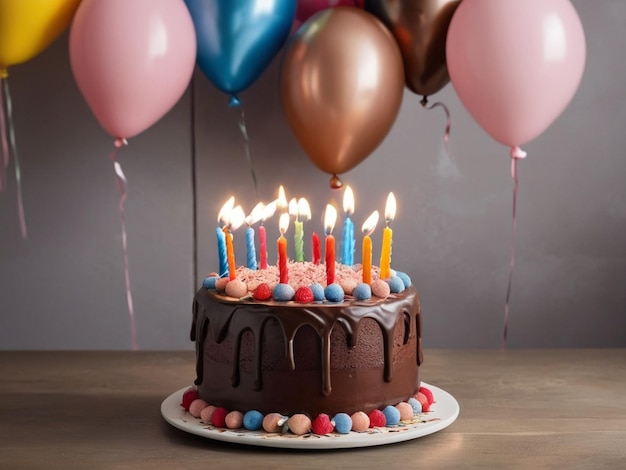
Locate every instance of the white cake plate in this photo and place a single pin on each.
(443, 413)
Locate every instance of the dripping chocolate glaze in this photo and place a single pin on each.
(220, 315)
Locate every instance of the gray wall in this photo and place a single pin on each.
(63, 287)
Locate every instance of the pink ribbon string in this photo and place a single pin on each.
(446, 134)
(246, 143)
(122, 186)
(18, 174)
(4, 163)
(516, 154)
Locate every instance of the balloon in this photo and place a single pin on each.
(420, 28)
(341, 86)
(237, 39)
(307, 8)
(28, 27)
(515, 64)
(132, 60)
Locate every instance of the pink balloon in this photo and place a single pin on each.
(515, 64)
(132, 60)
(307, 8)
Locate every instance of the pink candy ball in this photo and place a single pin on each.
(234, 420)
(220, 284)
(406, 411)
(273, 422)
(360, 421)
(236, 288)
(196, 407)
(206, 414)
(348, 285)
(380, 289)
(299, 424)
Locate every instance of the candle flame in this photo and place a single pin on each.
(224, 213)
(348, 201)
(237, 216)
(330, 217)
(269, 210)
(370, 223)
(390, 208)
(304, 210)
(293, 207)
(256, 214)
(283, 223)
(281, 202)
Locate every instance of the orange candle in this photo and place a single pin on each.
(282, 249)
(329, 223)
(385, 253)
(230, 254)
(368, 227)
(232, 217)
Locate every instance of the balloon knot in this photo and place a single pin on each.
(424, 101)
(335, 182)
(517, 153)
(233, 102)
(120, 142)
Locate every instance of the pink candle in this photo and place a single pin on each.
(282, 249)
(262, 247)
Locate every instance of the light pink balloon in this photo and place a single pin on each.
(515, 64)
(132, 60)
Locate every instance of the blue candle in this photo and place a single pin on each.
(348, 242)
(222, 256)
(250, 249)
(348, 228)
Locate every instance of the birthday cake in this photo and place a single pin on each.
(327, 351)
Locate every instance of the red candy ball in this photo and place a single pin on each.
(428, 394)
(262, 292)
(188, 397)
(322, 425)
(304, 295)
(218, 419)
(377, 419)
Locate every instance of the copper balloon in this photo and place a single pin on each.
(420, 28)
(341, 86)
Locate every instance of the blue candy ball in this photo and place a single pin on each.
(209, 282)
(318, 292)
(253, 420)
(362, 291)
(405, 279)
(343, 423)
(395, 284)
(334, 293)
(392, 415)
(283, 292)
(416, 405)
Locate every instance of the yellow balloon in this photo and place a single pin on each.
(27, 27)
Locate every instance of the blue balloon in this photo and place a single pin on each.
(237, 39)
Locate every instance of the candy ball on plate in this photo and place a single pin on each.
(273, 422)
(196, 407)
(234, 420)
(392, 415)
(299, 424)
(343, 423)
(416, 405)
(322, 425)
(360, 421)
(218, 419)
(377, 419)
(253, 420)
(236, 288)
(206, 414)
(406, 411)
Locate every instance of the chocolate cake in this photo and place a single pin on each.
(289, 357)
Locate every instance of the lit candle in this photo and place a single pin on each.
(281, 202)
(222, 218)
(268, 211)
(385, 253)
(283, 224)
(235, 219)
(297, 227)
(302, 211)
(368, 227)
(316, 249)
(330, 218)
(348, 228)
(251, 219)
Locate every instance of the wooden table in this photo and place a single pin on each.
(519, 409)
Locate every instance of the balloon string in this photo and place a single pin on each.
(246, 142)
(4, 163)
(18, 173)
(516, 154)
(446, 134)
(122, 186)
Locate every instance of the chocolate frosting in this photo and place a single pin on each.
(318, 357)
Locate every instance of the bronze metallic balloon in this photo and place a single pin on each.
(420, 28)
(341, 85)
